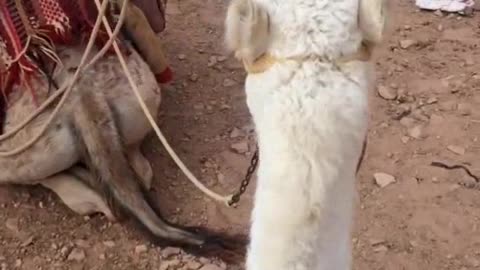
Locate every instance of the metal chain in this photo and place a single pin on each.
(246, 180)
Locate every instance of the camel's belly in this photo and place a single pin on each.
(54, 152)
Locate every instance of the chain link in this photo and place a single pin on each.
(246, 180)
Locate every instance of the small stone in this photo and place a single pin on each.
(473, 261)
(222, 265)
(109, 244)
(376, 242)
(383, 179)
(141, 249)
(28, 241)
(194, 77)
(170, 252)
(199, 106)
(469, 62)
(407, 122)
(82, 243)
(448, 105)
(464, 109)
(407, 43)
(76, 255)
(235, 133)
(432, 100)
(420, 115)
(240, 147)
(12, 224)
(436, 119)
(204, 260)
(212, 61)
(416, 132)
(193, 265)
(405, 139)
(171, 264)
(18, 263)
(386, 92)
(380, 248)
(228, 82)
(211, 267)
(456, 149)
(221, 178)
(454, 187)
(182, 57)
(64, 251)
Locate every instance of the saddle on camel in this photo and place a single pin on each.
(31, 29)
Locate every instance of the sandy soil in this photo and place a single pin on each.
(423, 111)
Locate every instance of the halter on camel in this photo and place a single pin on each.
(25, 46)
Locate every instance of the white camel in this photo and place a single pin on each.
(307, 87)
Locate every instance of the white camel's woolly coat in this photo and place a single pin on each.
(311, 122)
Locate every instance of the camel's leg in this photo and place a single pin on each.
(75, 194)
(141, 165)
(97, 133)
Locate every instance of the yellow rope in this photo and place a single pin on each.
(178, 161)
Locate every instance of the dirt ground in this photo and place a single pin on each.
(422, 111)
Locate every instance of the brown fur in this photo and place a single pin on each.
(99, 125)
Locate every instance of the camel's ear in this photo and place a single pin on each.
(372, 19)
(247, 30)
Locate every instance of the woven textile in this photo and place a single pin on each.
(30, 29)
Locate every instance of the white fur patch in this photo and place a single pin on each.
(311, 122)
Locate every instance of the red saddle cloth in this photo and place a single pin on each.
(30, 29)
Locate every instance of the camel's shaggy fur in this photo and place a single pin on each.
(310, 115)
(101, 125)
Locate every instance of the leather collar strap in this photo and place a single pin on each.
(266, 61)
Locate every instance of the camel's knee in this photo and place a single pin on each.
(141, 166)
(76, 195)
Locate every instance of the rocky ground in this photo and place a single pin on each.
(411, 215)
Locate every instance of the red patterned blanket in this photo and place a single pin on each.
(30, 30)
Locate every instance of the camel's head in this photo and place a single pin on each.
(297, 28)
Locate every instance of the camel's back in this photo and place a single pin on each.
(105, 78)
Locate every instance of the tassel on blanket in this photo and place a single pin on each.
(31, 29)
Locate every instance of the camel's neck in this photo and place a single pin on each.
(313, 27)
